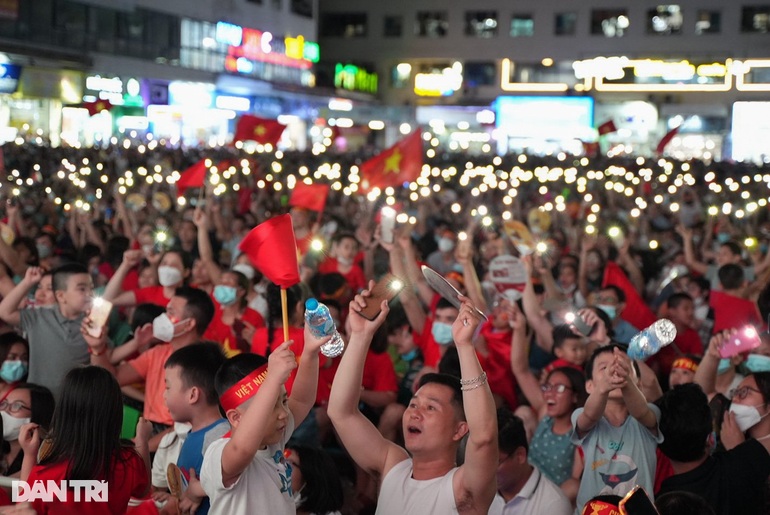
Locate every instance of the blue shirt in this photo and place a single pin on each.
(193, 449)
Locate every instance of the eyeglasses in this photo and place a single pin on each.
(558, 388)
(739, 393)
(13, 407)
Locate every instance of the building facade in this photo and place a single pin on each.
(471, 69)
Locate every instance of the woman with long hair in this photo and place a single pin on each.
(84, 444)
(24, 403)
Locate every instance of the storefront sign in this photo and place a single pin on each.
(441, 84)
(9, 77)
(353, 78)
(262, 46)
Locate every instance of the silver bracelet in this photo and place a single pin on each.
(480, 379)
(466, 388)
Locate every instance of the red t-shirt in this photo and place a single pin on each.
(229, 336)
(260, 346)
(431, 352)
(355, 277)
(733, 312)
(151, 294)
(379, 374)
(128, 478)
(498, 364)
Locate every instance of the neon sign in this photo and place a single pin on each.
(247, 46)
(441, 84)
(353, 78)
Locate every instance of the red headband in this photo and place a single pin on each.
(685, 363)
(244, 389)
(600, 508)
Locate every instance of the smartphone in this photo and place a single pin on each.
(636, 502)
(387, 223)
(100, 312)
(744, 340)
(386, 289)
(577, 321)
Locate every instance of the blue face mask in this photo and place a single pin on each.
(611, 311)
(757, 363)
(724, 366)
(723, 237)
(442, 333)
(409, 356)
(225, 295)
(13, 371)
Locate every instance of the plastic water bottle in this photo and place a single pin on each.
(649, 341)
(321, 324)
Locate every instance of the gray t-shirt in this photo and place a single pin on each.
(616, 458)
(55, 345)
(712, 274)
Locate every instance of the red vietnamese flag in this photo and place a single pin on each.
(590, 148)
(636, 312)
(260, 130)
(607, 127)
(666, 140)
(392, 167)
(193, 177)
(97, 107)
(310, 196)
(272, 248)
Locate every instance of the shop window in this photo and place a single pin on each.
(344, 25)
(480, 73)
(481, 24)
(755, 19)
(393, 26)
(102, 28)
(432, 24)
(565, 24)
(522, 25)
(611, 23)
(303, 8)
(665, 19)
(708, 22)
(401, 75)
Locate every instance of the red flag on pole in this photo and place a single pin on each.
(310, 196)
(607, 127)
(636, 312)
(590, 148)
(392, 167)
(666, 140)
(193, 177)
(272, 248)
(260, 130)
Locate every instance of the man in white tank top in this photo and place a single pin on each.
(439, 415)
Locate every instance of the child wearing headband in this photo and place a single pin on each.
(245, 471)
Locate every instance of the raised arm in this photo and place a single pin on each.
(633, 397)
(368, 448)
(542, 327)
(247, 438)
(689, 252)
(415, 313)
(520, 363)
(464, 256)
(303, 392)
(706, 375)
(474, 482)
(114, 289)
(9, 307)
(201, 221)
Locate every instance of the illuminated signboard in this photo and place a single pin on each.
(353, 78)
(247, 47)
(9, 78)
(439, 84)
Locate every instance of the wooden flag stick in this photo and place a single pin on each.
(285, 312)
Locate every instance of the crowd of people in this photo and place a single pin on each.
(187, 396)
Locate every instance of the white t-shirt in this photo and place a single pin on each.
(538, 495)
(402, 495)
(168, 452)
(264, 487)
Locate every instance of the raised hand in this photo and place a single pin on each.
(281, 362)
(29, 439)
(359, 324)
(33, 275)
(131, 258)
(466, 323)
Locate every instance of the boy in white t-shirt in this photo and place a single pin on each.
(245, 472)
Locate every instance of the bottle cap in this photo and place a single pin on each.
(311, 304)
(665, 330)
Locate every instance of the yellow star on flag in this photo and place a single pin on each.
(260, 130)
(393, 162)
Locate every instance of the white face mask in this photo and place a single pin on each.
(446, 245)
(12, 426)
(163, 328)
(746, 416)
(344, 261)
(169, 276)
